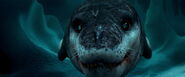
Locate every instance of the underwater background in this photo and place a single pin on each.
(31, 32)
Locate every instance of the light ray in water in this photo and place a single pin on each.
(44, 31)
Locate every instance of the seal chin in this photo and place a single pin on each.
(100, 69)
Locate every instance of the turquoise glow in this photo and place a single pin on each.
(163, 23)
(44, 31)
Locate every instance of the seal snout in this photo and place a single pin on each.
(99, 37)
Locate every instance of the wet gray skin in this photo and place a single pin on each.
(104, 39)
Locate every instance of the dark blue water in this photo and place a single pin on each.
(31, 31)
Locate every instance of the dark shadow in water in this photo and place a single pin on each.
(5, 63)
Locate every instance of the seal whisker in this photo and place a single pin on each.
(115, 26)
(115, 36)
(130, 49)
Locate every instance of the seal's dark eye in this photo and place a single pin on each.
(77, 25)
(126, 24)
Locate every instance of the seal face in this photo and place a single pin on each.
(104, 38)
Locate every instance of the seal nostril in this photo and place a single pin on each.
(99, 39)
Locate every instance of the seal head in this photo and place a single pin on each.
(104, 39)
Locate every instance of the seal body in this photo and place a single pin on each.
(104, 39)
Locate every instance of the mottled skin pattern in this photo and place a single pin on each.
(104, 39)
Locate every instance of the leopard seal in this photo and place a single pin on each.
(104, 38)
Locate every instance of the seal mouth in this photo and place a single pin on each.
(100, 65)
(103, 64)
